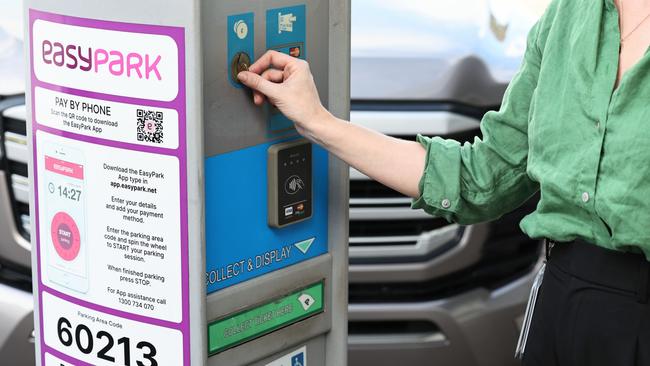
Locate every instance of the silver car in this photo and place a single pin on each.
(422, 290)
(16, 303)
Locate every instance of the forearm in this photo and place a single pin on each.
(287, 83)
(396, 163)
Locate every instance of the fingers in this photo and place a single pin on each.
(257, 83)
(261, 84)
(271, 59)
(267, 72)
(272, 75)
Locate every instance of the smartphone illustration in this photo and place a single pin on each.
(66, 248)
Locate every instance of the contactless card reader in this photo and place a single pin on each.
(290, 183)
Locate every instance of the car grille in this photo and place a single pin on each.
(506, 256)
(384, 231)
(365, 232)
(391, 327)
(13, 135)
(370, 192)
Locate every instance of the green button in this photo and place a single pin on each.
(250, 324)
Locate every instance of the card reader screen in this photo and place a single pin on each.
(290, 178)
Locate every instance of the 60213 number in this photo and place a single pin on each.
(83, 339)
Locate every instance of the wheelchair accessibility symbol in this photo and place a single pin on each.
(295, 358)
(298, 360)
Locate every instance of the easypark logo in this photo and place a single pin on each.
(129, 64)
(119, 64)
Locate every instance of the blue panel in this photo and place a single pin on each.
(278, 123)
(239, 243)
(286, 27)
(241, 38)
(286, 32)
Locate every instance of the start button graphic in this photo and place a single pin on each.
(65, 236)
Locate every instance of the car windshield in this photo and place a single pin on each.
(11, 19)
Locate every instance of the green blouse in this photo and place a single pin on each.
(564, 130)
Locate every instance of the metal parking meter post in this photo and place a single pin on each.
(175, 223)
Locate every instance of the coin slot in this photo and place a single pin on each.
(241, 62)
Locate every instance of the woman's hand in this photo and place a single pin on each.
(288, 84)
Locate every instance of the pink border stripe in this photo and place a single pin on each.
(64, 357)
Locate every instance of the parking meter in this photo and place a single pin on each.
(173, 221)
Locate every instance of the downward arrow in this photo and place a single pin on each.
(304, 245)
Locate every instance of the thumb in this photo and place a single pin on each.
(258, 83)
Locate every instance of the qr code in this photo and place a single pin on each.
(150, 126)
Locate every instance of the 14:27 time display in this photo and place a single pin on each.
(70, 193)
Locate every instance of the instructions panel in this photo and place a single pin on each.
(110, 171)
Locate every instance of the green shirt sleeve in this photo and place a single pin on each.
(480, 181)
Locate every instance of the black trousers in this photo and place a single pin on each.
(592, 309)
